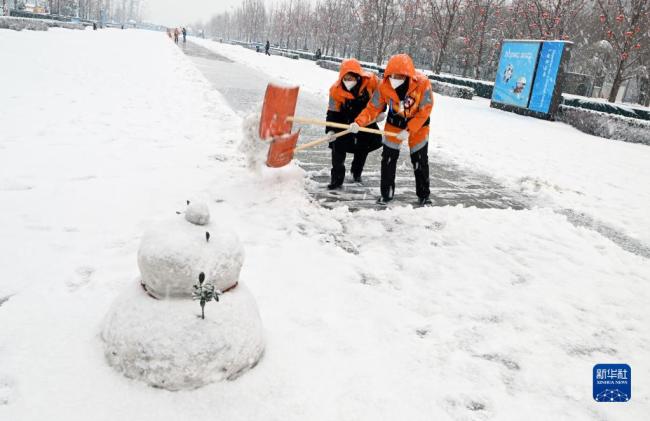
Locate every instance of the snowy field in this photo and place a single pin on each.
(416, 314)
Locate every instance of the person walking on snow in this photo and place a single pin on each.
(409, 98)
(267, 47)
(349, 95)
(184, 35)
(176, 34)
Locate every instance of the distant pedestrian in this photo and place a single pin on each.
(184, 35)
(94, 26)
(318, 54)
(257, 48)
(176, 34)
(267, 47)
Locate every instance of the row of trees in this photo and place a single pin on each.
(109, 10)
(612, 37)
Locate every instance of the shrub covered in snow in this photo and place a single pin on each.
(447, 89)
(481, 88)
(18, 24)
(606, 107)
(287, 54)
(606, 125)
(328, 64)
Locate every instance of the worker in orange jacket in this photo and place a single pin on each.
(349, 95)
(409, 99)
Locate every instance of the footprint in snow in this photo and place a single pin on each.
(5, 391)
(82, 276)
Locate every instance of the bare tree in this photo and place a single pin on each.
(444, 16)
(626, 26)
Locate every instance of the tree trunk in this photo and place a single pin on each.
(618, 79)
(380, 44)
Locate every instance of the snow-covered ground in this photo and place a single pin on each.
(434, 313)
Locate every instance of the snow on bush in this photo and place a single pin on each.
(456, 91)
(285, 54)
(481, 88)
(18, 24)
(173, 253)
(166, 344)
(596, 104)
(606, 125)
(329, 65)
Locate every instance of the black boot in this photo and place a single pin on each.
(425, 201)
(389, 158)
(383, 201)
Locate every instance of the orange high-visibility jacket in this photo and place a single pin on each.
(415, 108)
(338, 95)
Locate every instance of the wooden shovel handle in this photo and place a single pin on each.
(317, 122)
(320, 140)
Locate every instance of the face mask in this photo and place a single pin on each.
(396, 83)
(349, 84)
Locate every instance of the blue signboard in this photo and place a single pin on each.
(515, 73)
(547, 69)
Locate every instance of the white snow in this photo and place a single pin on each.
(197, 213)
(437, 313)
(166, 344)
(173, 253)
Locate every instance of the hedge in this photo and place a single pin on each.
(606, 107)
(448, 89)
(606, 125)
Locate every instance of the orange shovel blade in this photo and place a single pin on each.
(281, 150)
(279, 103)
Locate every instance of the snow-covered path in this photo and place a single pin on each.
(243, 86)
(438, 313)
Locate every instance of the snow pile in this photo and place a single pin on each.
(160, 340)
(166, 344)
(197, 213)
(173, 253)
(254, 149)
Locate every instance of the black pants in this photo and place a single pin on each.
(420, 161)
(338, 165)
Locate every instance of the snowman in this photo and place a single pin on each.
(154, 331)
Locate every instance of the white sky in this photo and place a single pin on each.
(185, 12)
